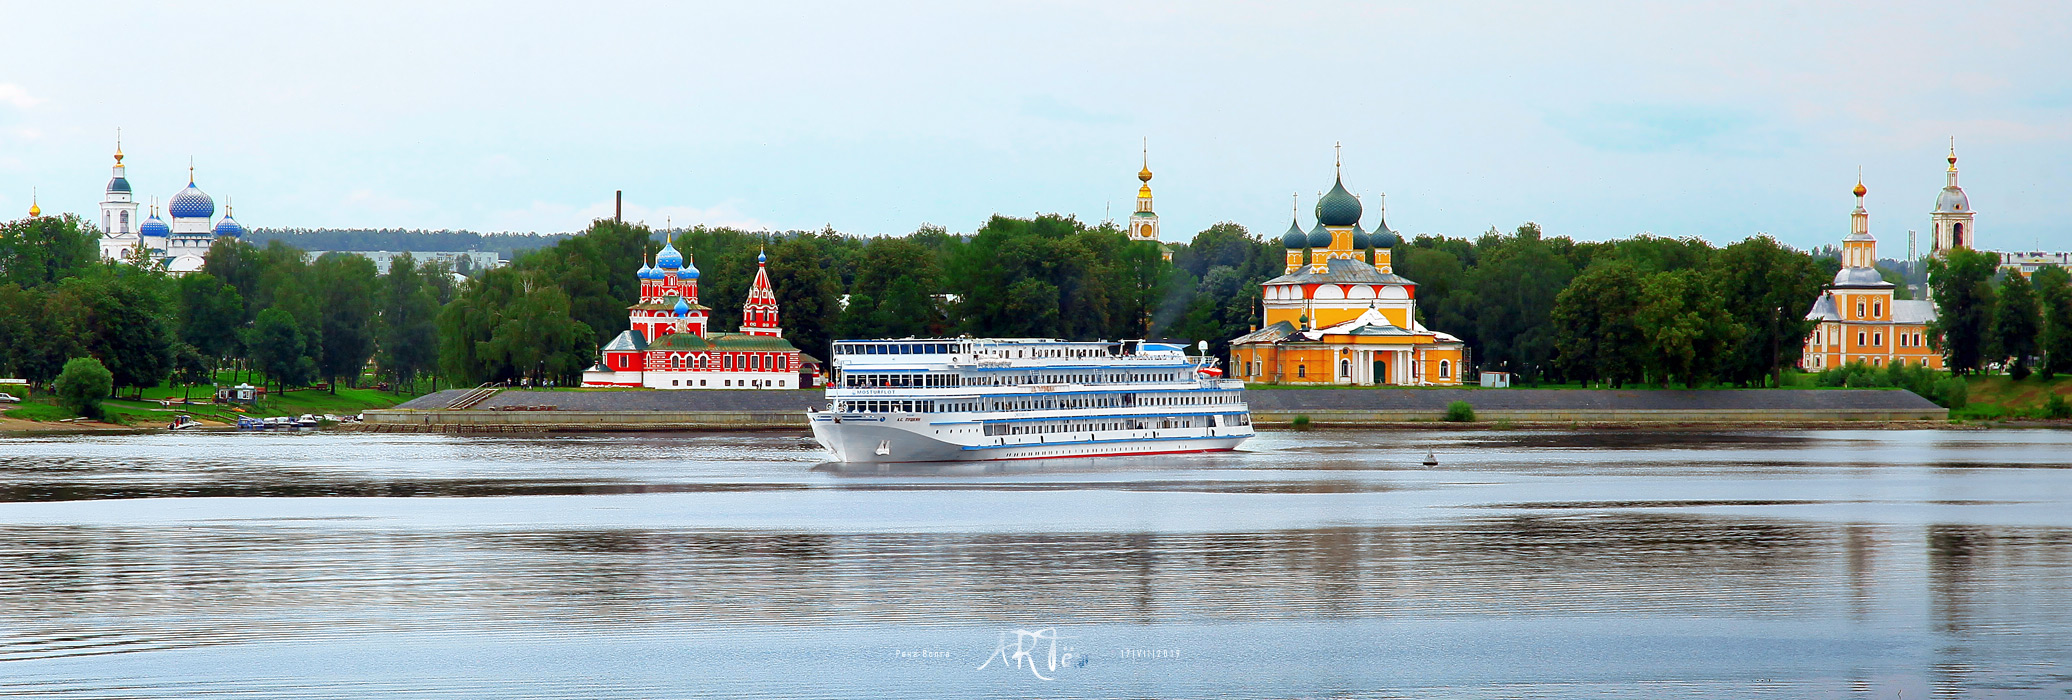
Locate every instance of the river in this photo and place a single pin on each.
(1325, 564)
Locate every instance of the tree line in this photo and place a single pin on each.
(1646, 310)
(262, 310)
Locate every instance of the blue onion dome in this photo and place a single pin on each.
(760, 258)
(690, 269)
(229, 227)
(118, 184)
(1294, 239)
(1319, 237)
(1338, 207)
(1360, 239)
(154, 226)
(191, 203)
(645, 272)
(668, 259)
(1384, 238)
(682, 309)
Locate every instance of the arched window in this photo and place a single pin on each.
(125, 222)
(1445, 369)
(1877, 339)
(1877, 309)
(728, 360)
(1345, 369)
(1859, 338)
(1957, 234)
(1302, 370)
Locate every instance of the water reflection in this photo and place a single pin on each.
(1636, 565)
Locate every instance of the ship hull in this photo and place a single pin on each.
(872, 439)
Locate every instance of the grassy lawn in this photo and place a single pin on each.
(149, 412)
(1995, 397)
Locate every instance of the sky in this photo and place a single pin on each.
(1597, 121)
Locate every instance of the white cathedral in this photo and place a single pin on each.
(177, 247)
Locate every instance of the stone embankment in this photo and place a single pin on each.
(627, 410)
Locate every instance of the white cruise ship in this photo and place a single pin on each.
(933, 400)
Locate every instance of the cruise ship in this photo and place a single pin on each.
(958, 399)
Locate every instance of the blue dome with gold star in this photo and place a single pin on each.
(668, 259)
(154, 226)
(229, 227)
(191, 203)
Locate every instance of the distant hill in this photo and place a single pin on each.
(509, 245)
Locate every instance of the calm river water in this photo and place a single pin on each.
(1328, 564)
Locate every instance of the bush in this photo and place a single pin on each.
(2057, 407)
(1460, 412)
(82, 385)
(1951, 393)
(1301, 422)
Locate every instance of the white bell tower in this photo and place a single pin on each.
(119, 208)
(1952, 216)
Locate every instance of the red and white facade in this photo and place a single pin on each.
(669, 344)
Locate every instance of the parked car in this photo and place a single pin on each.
(9, 398)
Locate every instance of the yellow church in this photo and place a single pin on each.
(1340, 315)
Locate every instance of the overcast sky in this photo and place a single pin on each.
(1598, 121)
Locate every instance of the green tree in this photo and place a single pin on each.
(1596, 325)
(190, 368)
(46, 249)
(82, 385)
(1961, 283)
(1514, 289)
(37, 336)
(123, 321)
(280, 350)
(1767, 290)
(2054, 293)
(346, 290)
(408, 329)
(1687, 330)
(211, 314)
(809, 290)
(2016, 324)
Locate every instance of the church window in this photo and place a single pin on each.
(1859, 309)
(1302, 370)
(1445, 369)
(1877, 309)
(728, 361)
(1345, 369)
(1859, 338)
(1877, 339)
(125, 221)
(1957, 235)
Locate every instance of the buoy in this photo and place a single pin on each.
(1431, 460)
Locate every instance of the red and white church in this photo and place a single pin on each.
(669, 345)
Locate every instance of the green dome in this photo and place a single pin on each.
(1338, 207)
(1360, 238)
(1294, 239)
(1383, 237)
(1319, 237)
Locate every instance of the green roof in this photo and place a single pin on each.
(745, 342)
(680, 341)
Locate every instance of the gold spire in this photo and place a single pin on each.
(1859, 183)
(35, 210)
(1145, 174)
(118, 145)
(1953, 154)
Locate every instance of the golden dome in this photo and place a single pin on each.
(1144, 191)
(1145, 174)
(35, 211)
(1860, 189)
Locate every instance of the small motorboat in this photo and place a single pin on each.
(307, 421)
(250, 423)
(184, 422)
(280, 422)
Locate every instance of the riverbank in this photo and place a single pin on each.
(623, 410)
